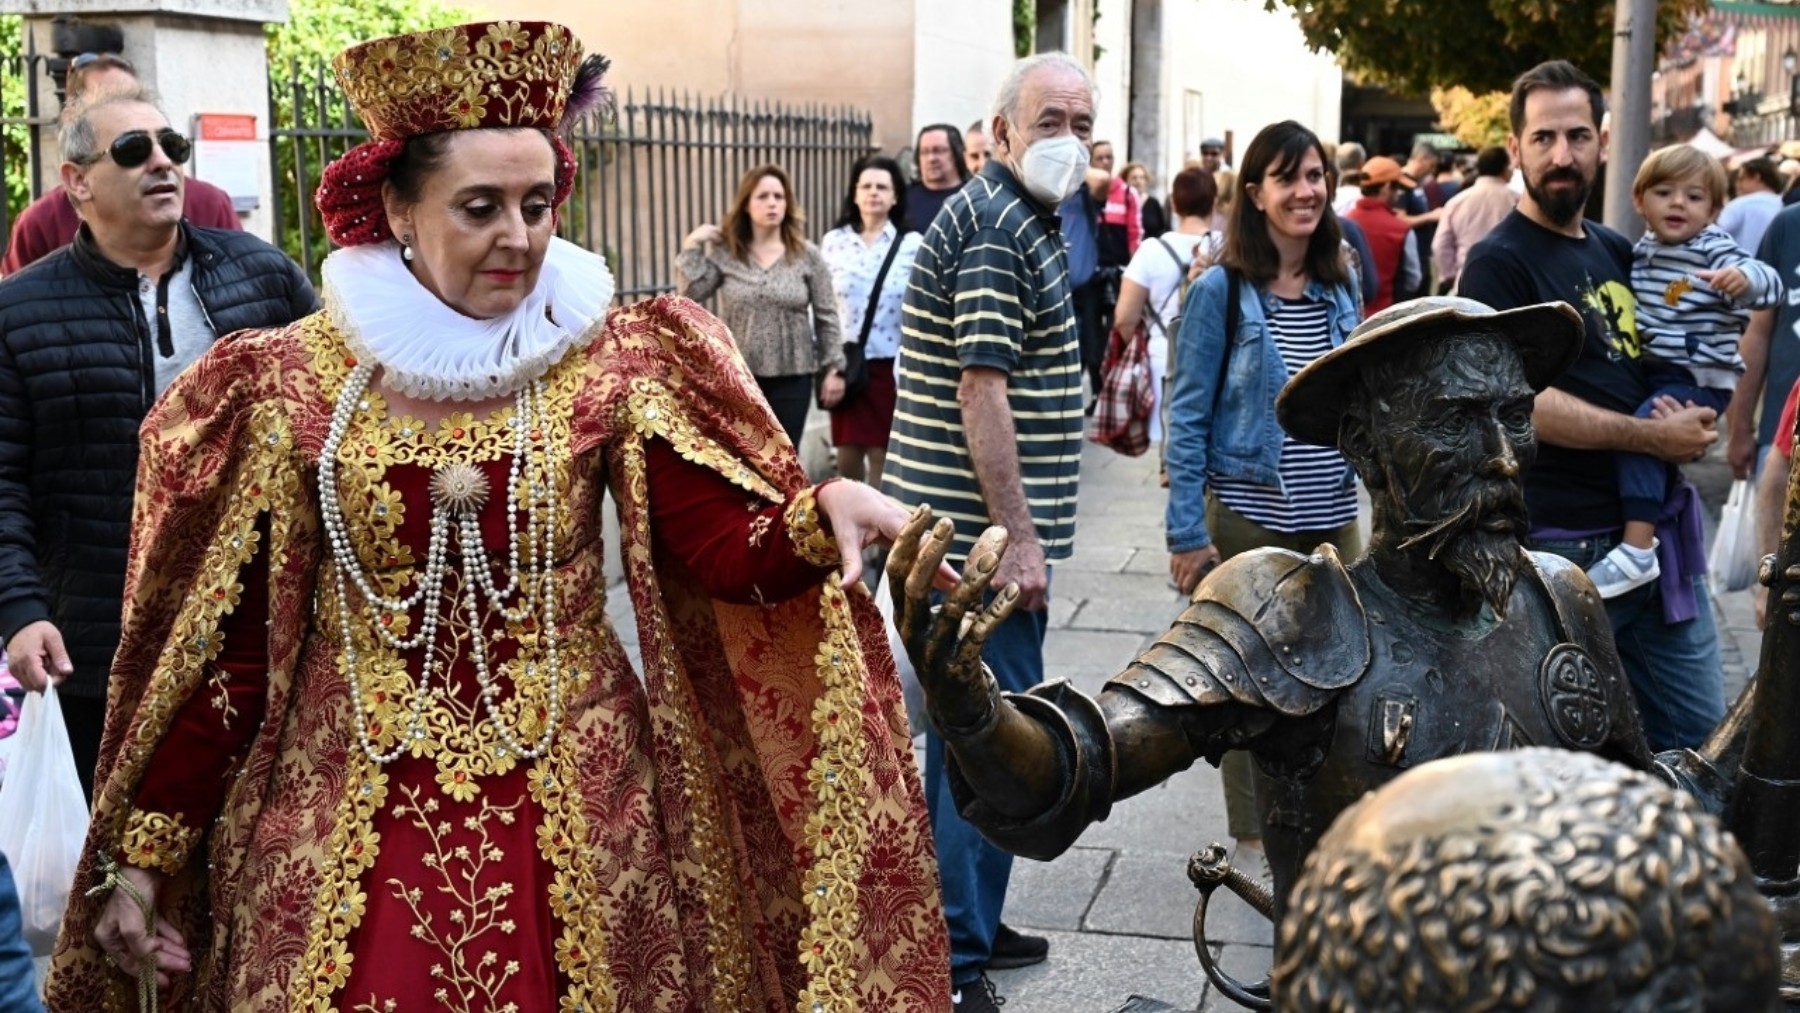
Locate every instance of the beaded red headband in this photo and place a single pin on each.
(467, 77)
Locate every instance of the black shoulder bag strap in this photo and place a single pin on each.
(1231, 326)
(875, 290)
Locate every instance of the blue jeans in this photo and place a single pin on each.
(1674, 668)
(18, 982)
(1643, 479)
(974, 873)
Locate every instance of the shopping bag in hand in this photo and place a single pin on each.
(1126, 400)
(43, 819)
(912, 694)
(1733, 559)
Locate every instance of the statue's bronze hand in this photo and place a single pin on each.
(945, 644)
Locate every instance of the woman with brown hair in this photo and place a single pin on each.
(1281, 295)
(871, 253)
(775, 295)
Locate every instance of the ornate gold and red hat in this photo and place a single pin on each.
(493, 74)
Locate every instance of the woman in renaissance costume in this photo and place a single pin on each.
(372, 745)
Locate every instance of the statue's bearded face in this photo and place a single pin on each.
(1451, 438)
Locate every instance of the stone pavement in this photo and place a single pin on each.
(1118, 907)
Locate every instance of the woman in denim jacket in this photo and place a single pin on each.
(1236, 481)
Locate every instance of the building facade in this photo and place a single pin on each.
(1171, 72)
(907, 62)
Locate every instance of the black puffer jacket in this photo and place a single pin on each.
(77, 376)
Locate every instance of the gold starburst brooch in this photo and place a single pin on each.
(461, 488)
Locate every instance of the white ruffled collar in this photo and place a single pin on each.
(429, 350)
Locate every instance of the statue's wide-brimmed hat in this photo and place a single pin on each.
(491, 74)
(1547, 336)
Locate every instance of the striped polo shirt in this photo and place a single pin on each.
(1681, 319)
(989, 287)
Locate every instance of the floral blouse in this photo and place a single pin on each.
(784, 317)
(854, 266)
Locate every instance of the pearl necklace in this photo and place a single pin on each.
(458, 491)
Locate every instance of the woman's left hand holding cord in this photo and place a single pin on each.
(124, 934)
(860, 517)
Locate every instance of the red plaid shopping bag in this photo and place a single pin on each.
(1122, 417)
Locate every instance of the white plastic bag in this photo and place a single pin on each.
(43, 819)
(909, 680)
(1732, 562)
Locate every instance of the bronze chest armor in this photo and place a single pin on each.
(1431, 693)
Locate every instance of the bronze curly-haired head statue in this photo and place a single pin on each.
(1537, 879)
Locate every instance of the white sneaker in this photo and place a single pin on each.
(1617, 572)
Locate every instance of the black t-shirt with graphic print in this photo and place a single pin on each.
(1521, 263)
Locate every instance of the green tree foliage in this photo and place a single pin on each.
(1024, 27)
(304, 94)
(317, 30)
(1416, 45)
(1476, 120)
(15, 141)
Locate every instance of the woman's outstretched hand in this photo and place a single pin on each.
(861, 517)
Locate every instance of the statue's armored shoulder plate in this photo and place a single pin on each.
(1269, 628)
(1580, 613)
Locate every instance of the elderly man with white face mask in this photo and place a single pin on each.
(988, 431)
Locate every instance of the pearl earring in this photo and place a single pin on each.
(406, 253)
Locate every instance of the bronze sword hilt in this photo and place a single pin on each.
(1210, 869)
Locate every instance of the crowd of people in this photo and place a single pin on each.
(317, 735)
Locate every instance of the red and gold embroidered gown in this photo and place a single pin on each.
(739, 829)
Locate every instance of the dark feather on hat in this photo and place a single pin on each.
(589, 92)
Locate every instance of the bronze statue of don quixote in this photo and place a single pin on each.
(1460, 809)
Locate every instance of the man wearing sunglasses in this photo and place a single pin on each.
(89, 336)
(49, 223)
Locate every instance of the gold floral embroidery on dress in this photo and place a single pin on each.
(718, 867)
(471, 974)
(157, 841)
(651, 410)
(562, 839)
(221, 695)
(457, 733)
(267, 476)
(837, 830)
(332, 360)
(353, 845)
(759, 530)
(806, 530)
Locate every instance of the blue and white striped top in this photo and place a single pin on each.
(1314, 495)
(1683, 320)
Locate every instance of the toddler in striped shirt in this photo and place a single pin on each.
(1695, 288)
